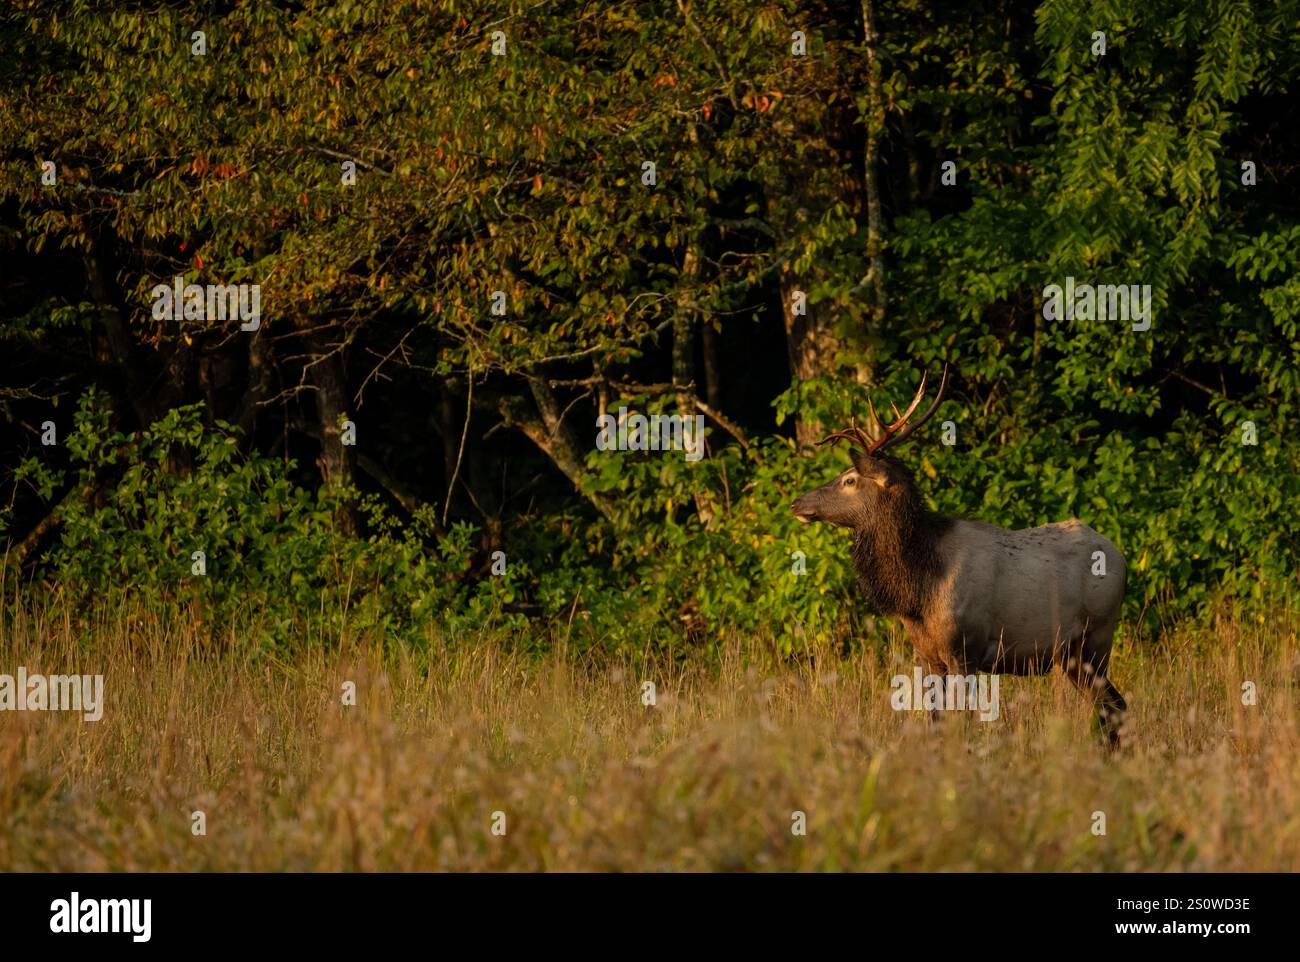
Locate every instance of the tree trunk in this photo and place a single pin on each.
(874, 281)
(812, 346)
(114, 349)
(712, 365)
(259, 388)
(814, 338)
(839, 169)
(684, 359)
(327, 376)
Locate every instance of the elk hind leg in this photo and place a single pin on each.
(1086, 664)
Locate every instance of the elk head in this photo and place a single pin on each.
(875, 485)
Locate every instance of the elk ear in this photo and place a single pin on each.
(869, 467)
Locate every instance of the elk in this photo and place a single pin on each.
(974, 597)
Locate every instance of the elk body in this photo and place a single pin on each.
(974, 597)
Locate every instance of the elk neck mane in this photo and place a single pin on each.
(896, 552)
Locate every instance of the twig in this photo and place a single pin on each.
(469, 406)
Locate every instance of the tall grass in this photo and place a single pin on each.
(589, 778)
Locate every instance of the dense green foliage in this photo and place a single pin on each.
(523, 173)
(274, 547)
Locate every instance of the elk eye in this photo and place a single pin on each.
(849, 482)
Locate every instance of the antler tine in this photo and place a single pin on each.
(882, 430)
(916, 402)
(894, 438)
(879, 426)
(853, 434)
(832, 438)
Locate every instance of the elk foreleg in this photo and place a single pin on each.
(933, 667)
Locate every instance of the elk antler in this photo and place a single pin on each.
(887, 434)
(854, 435)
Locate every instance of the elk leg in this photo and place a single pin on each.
(1087, 670)
(1110, 703)
(933, 668)
(1110, 713)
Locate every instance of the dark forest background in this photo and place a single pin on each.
(797, 147)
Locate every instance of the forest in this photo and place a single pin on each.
(414, 254)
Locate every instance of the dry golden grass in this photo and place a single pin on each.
(590, 779)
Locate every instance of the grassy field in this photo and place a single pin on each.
(590, 779)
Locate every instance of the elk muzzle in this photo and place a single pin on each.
(804, 507)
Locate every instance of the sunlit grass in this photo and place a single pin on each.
(591, 779)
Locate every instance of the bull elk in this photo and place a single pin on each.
(974, 597)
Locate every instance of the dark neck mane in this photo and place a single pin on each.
(896, 554)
